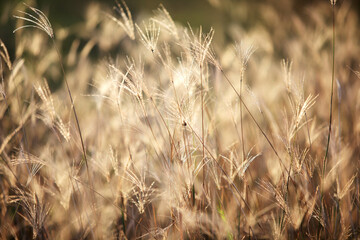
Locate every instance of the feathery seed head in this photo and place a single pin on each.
(164, 19)
(5, 55)
(287, 68)
(131, 80)
(26, 158)
(200, 46)
(244, 53)
(141, 192)
(49, 115)
(127, 22)
(37, 20)
(36, 211)
(150, 35)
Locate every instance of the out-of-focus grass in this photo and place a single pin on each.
(189, 132)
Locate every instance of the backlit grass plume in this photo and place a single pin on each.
(126, 21)
(36, 19)
(150, 35)
(183, 135)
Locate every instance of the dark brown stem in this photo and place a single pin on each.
(332, 88)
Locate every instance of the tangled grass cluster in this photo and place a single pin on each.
(175, 137)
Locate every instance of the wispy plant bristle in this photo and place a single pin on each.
(126, 23)
(150, 35)
(138, 126)
(39, 20)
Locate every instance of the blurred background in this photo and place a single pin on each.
(219, 14)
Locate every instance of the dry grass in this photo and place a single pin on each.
(179, 136)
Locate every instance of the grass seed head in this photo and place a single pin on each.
(36, 20)
(126, 21)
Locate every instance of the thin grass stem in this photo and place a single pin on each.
(332, 89)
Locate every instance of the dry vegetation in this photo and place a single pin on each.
(179, 137)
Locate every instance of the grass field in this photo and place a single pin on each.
(128, 126)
